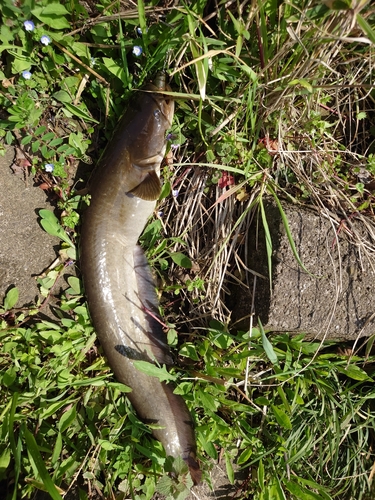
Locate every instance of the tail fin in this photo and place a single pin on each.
(194, 469)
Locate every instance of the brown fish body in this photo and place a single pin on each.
(118, 283)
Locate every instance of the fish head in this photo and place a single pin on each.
(156, 112)
(152, 117)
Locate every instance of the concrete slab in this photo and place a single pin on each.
(26, 250)
(335, 301)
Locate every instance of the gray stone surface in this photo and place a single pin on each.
(336, 301)
(25, 249)
(222, 488)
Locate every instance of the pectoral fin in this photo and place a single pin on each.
(149, 189)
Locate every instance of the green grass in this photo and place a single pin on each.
(280, 96)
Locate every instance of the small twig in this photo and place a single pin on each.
(77, 60)
(150, 313)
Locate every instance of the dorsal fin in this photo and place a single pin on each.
(149, 189)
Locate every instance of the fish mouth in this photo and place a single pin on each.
(165, 106)
(165, 103)
(148, 164)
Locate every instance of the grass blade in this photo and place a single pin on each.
(288, 232)
(366, 28)
(267, 346)
(33, 449)
(125, 70)
(268, 241)
(142, 19)
(16, 449)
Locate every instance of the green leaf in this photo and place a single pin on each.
(11, 298)
(245, 456)
(40, 130)
(304, 83)
(62, 96)
(300, 492)
(201, 65)
(67, 418)
(281, 417)
(97, 382)
(181, 260)
(267, 346)
(207, 400)
(26, 140)
(57, 449)
(33, 450)
(262, 401)
(4, 460)
(154, 371)
(56, 142)
(282, 395)
(115, 68)
(9, 376)
(276, 492)
(75, 110)
(315, 486)
(165, 486)
(76, 284)
(229, 467)
(165, 190)
(208, 447)
(47, 137)
(53, 9)
(52, 226)
(189, 350)
(52, 15)
(354, 372)
(9, 137)
(35, 146)
(107, 445)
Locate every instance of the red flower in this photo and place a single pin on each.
(225, 180)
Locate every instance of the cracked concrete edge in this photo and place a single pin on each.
(26, 250)
(334, 300)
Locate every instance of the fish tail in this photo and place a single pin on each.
(194, 469)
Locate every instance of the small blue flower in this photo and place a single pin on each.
(92, 62)
(175, 193)
(45, 40)
(29, 25)
(139, 31)
(174, 147)
(26, 74)
(137, 50)
(160, 213)
(171, 136)
(49, 167)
